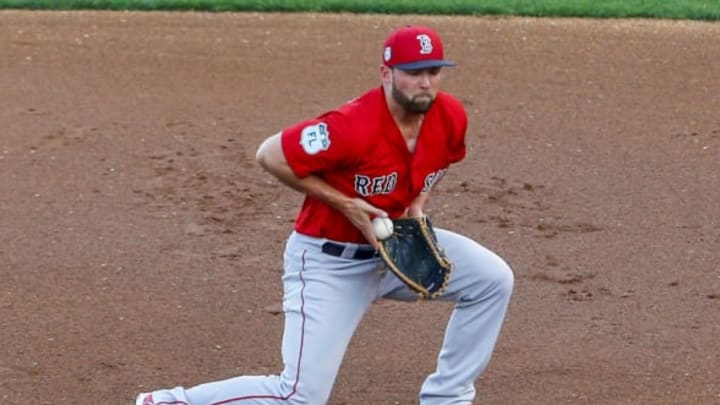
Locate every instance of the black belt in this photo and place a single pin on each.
(337, 250)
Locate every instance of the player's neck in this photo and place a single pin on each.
(409, 125)
(408, 122)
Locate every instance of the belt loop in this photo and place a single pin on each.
(349, 251)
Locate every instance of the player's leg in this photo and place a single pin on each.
(480, 285)
(324, 299)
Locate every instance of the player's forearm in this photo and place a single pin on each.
(270, 156)
(417, 207)
(315, 187)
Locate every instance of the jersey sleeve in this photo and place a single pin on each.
(318, 145)
(456, 141)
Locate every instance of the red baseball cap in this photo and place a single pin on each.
(414, 47)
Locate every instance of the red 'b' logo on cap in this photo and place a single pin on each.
(425, 44)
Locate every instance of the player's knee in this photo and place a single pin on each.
(504, 277)
(498, 281)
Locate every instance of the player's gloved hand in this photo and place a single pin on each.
(413, 255)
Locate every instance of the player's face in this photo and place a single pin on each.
(415, 90)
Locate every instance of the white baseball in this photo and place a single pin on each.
(383, 227)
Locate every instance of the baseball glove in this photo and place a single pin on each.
(413, 255)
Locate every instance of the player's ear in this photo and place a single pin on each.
(385, 74)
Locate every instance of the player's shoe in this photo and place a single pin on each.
(144, 399)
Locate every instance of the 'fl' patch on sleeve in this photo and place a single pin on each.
(315, 138)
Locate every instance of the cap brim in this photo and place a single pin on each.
(424, 64)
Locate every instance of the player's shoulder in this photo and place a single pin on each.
(450, 103)
(450, 113)
(351, 122)
(450, 110)
(356, 116)
(359, 108)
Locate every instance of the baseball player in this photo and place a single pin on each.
(379, 155)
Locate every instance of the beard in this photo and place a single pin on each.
(418, 104)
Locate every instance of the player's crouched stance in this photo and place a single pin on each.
(377, 156)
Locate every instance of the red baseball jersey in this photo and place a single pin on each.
(359, 150)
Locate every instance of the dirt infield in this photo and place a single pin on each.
(140, 241)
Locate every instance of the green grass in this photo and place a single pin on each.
(669, 9)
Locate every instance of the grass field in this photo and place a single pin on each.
(688, 9)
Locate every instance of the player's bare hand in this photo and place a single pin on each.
(360, 213)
